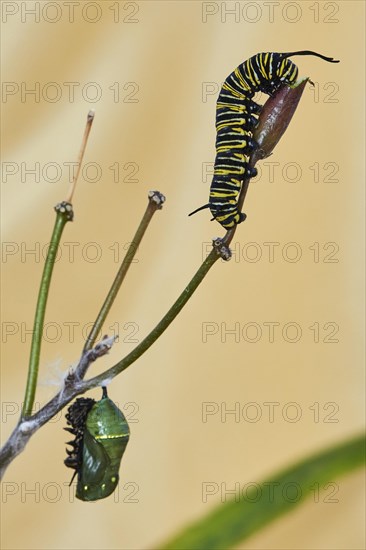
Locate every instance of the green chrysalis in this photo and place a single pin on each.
(101, 436)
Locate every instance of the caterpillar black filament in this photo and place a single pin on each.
(236, 117)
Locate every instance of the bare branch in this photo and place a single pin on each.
(72, 387)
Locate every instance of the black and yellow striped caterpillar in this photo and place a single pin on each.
(101, 436)
(235, 120)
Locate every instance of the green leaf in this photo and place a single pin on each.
(233, 521)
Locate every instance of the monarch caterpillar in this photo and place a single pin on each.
(236, 117)
(101, 436)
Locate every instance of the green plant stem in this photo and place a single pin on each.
(62, 217)
(160, 327)
(236, 520)
(152, 207)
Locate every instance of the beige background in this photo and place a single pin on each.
(166, 55)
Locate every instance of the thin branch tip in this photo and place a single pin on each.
(89, 122)
(156, 198)
(66, 209)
